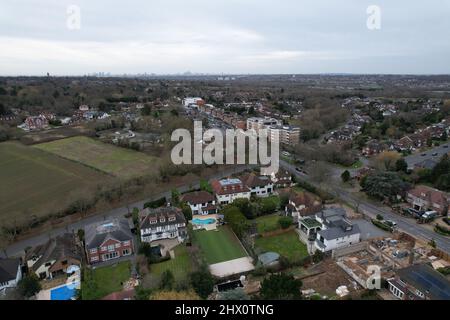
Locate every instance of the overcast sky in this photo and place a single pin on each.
(229, 36)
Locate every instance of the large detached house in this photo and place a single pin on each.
(227, 190)
(10, 274)
(162, 223)
(426, 198)
(419, 282)
(54, 257)
(303, 204)
(336, 231)
(108, 240)
(200, 202)
(260, 186)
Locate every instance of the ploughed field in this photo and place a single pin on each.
(35, 182)
(107, 158)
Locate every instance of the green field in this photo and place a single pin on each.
(286, 244)
(220, 245)
(119, 162)
(180, 266)
(267, 223)
(102, 281)
(34, 182)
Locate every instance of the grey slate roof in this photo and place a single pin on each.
(60, 248)
(426, 279)
(339, 232)
(8, 269)
(165, 212)
(337, 225)
(97, 233)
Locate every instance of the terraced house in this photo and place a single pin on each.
(108, 240)
(162, 223)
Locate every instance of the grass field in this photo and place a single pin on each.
(286, 244)
(218, 246)
(105, 157)
(33, 181)
(180, 266)
(100, 282)
(267, 223)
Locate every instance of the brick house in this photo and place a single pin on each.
(426, 198)
(108, 240)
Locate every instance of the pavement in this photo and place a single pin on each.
(371, 209)
(416, 158)
(17, 249)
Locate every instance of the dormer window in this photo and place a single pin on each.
(171, 218)
(153, 221)
(162, 219)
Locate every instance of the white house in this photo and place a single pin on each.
(228, 190)
(260, 186)
(10, 273)
(162, 223)
(336, 231)
(192, 100)
(200, 202)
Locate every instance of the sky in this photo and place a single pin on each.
(224, 36)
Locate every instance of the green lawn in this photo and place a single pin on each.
(180, 266)
(218, 246)
(105, 157)
(286, 244)
(267, 223)
(102, 281)
(34, 182)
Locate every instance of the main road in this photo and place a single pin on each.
(370, 209)
(17, 248)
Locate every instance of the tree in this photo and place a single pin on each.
(387, 160)
(29, 285)
(202, 282)
(383, 185)
(235, 294)
(175, 197)
(187, 211)
(401, 165)
(245, 207)
(205, 186)
(345, 176)
(167, 280)
(280, 287)
(268, 205)
(236, 220)
(285, 222)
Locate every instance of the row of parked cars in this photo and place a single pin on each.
(421, 216)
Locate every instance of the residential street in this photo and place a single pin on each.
(18, 248)
(364, 206)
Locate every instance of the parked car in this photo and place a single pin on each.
(415, 213)
(435, 154)
(391, 223)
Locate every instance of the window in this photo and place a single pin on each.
(103, 248)
(111, 247)
(94, 258)
(117, 245)
(172, 219)
(126, 243)
(125, 252)
(94, 250)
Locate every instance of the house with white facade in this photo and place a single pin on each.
(10, 274)
(336, 230)
(260, 186)
(228, 190)
(200, 202)
(162, 223)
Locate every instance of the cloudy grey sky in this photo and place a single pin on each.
(229, 36)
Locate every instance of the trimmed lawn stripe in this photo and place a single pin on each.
(218, 246)
(180, 266)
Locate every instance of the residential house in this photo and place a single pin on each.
(162, 223)
(373, 147)
(336, 231)
(260, 186)
(35, 123)
(193, 101)
(200, 202)
(303, 204)
(404, 144)
(10, 273)
(107, 240)
(426, 198)
(54, 257)
(227, 190)
(281, 179)
(419, 282)
(426, 164)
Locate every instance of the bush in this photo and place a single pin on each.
(380, 217)
(442, 230)
(285, 222)
(156, 203)
(29, 285)
(202, 282)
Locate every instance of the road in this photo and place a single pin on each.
(403, 223)
(17, 249)
(439, 151)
